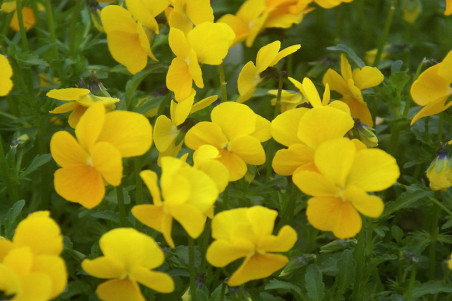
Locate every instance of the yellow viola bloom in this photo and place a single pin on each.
(207, 43)
(6, 84)
(247, 232)
(302, 131)
(78, 101)
(268, 56)
(187, 193)
(188, 13)
(350, 83)
(439, 173)
(30, 266)
(237, 132)
(433, 88)
(128, 31)
(128, 259)
(448, 10)
(340, 189)
(95, 157)
(205, 159)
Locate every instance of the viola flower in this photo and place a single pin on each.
(30, 266)
(340, 188)
(268, 56)
(185, 14)
(439, 171)
(302, 130)
(128, 31)
(207, 43)
(103, 139)
(6, 84)
(237, 132)
(129, 257)
(78, 101)
(350, 83)
(247, 232)
(205, 159)
(433, 88)
(188, 194)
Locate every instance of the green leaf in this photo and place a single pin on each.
(406, 199)
(38, 161)
(346, 266)
(398, 80)
(431, 288)
(314, 283)
(275, 284)
(12, 215)
(349, 52)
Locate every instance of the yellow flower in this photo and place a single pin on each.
(188, 194)
(339, 190)
(247, 232)
(433, 88)
(237, 132)
(187, 13)
(289, 99)
(268, 56)
(205, 159)
(128, 259)
(27, 15)
(439, 171)
(78, 101)
(30, 266)
(129, 31)
(96, 155)
(350, 83)
(448, 10)
(302, 131)
(207, 43)
(6, 84)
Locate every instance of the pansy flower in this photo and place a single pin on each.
(247, 233)
(6, 84)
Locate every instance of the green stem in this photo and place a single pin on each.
(51, 25)
(408, 103)
(432, 248)
(191, 268)
(440, 127)
(224, 92)
(409, 292)
(384, 36)
(73, 28)
(360, 265)
(223, 289)
(11, 185)
(121, 207)
(278, 95)
(440, 205)
(23, 31)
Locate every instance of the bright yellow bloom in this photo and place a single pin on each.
(268, 56)
(205, 159)
(207, 43)
(237, 132)
(188, 194)
(433, 88)
(128, 259)
(188, 13)
(302, 131)
(350, 83)
(78, 101)
(439, 172)
(103, 139)
(448, 10)
(30, 266)
(339, 190)
(6, 84)
(247, 232)
(129, 31)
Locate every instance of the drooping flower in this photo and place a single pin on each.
(208, 43)
(103, 139)
(30, 265)
(268, 56)
(439, 171)
(350, 83)
(78, 101)
(128, 259)
(185, 14)
(6, 84)
(247, 232)
(433, 88)
(237, 132)
(129, 31)
(340, 189)
(185, 194)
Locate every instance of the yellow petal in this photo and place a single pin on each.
(55, 268)
(107, 160)
(369, 205)
(373, 170)
(266, 55)
(67, 94)
(249, 149)
(90, 126)
(119, 290)
(314, 184)
(35, 287)
(235, 119)
(286, 161)
(178, 79)
(157, 281)
(262, 220)
(150, 179)
(203, 190)
(284, 124)
(367, 77)
(358, 110)
(140, 10)
(199, 11)
(117, 18)
(5, 247)
(247, 82)
(121, 45)
(5, 77)
(178, 43)
(445, 67)
(205, 133)
(66, 151)
(432, 108)
(155, 217)
(224, 222)
(263, 129)
(221, 252)
(283, 242)
(75, 116)
(64, 108)
(309, 91)
(285, 52)
(191, 218)
(346, 68)
(256, 267)
(203, 103)
(80, 184)
(429, 87)
(335, 82)
(181, 110)
(104, 267)
(235, 165)
(165, 133)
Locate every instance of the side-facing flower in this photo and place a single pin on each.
(350, 83)
(268, 56)
(187, 193)
(247, 232)
(30, 266)
(432, 89)
(439, 171)
(78, 101)
(6, 84)
(128, 259)
(103, 139)
(339, 189)
(237, 132)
